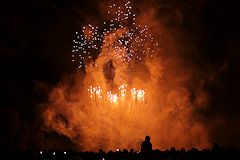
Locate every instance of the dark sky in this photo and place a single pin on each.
(36, 42)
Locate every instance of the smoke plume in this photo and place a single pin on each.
(173, 91)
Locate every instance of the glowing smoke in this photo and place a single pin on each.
(125, 63)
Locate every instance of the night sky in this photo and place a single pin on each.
(35, 55)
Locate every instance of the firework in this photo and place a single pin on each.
(97, 94)
(123, 40)
(128, 37)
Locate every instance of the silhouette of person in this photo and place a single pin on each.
(146, 146)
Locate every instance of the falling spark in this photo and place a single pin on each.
(91, 39)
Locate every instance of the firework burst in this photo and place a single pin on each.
(120, 36)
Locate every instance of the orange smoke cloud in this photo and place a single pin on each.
(166, 114)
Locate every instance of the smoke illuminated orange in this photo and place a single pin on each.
(126, 94)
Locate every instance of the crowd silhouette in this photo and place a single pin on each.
(146, 153)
